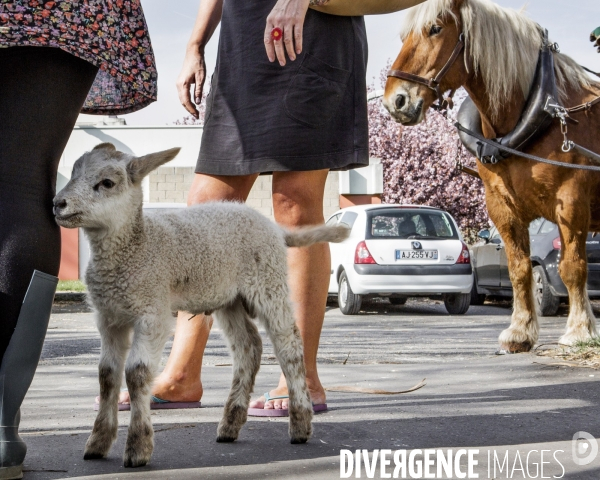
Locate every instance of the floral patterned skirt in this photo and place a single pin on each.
(111, 34)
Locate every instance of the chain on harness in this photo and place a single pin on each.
(562, 114)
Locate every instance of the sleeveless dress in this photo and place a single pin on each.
(309, 115)
(110, 34)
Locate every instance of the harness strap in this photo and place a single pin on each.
(583, 106)
(583, 151)
(434, 83)
(455, 53)
(590, 71)
(428, 82)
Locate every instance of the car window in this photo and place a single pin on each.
(333, 220)
(547, 227)
(401, 223)
(348, 219)
(535, 226)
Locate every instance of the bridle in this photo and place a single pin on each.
(434, 83)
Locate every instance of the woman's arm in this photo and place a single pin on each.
(193, 71)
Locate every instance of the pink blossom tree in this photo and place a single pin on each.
(419, 166)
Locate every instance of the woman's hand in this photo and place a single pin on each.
(288, 15)
(193, 72)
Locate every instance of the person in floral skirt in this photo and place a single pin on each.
(57, 59)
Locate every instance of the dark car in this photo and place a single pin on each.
(490, 267)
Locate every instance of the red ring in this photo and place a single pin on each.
(276, 33)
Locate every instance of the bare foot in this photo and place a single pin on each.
(171, 389)
(316, 390)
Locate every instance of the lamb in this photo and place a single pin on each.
(218, 257)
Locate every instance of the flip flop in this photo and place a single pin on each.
(282, 412)
(156, 404)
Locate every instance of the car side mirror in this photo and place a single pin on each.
(484, 235)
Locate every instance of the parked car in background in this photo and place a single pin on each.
(399, 251)
(490, 267)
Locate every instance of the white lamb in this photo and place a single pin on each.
(223, 258)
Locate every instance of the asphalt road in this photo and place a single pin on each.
(507, 405)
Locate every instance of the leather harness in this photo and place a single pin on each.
(535, 118)
(434, 83)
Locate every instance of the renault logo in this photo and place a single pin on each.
(417, 245)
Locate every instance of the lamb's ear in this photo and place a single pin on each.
(139, 167)
(105, 146)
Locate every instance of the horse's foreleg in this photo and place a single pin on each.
(523, 331)
(581, 324)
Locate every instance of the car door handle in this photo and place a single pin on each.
(499, 247)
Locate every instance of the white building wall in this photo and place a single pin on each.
(171, 182)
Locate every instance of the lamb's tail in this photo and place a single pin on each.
(306, 236)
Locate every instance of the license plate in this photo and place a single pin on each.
(416, 254)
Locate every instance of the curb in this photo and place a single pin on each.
(72, 297)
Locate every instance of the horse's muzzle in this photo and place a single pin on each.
(403, 110)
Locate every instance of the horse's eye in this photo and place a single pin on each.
(435, 29)
(106, 183)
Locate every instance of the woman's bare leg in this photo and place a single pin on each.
(298, 201)
(180, 380)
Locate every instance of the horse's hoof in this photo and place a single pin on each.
(225, 439)
(508, 348)
(571, 338)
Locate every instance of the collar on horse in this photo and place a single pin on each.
(434, 83)
(541, 108)
(535, 117)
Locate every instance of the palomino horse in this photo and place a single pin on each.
(497, 68)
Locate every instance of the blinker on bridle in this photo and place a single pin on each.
(434, 83)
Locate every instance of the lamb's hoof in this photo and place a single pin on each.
(133, 460)
(230, 425)
(93, 456)
(300, 425)
(508, 348)
(97, 446)
(298, 440)
(138, 449)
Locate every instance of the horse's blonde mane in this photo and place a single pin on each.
(503, 45)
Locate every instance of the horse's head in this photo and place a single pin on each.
(430, 40)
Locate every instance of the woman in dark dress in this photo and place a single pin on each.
(299, 118)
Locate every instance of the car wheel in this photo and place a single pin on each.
(348, 302)
(476, 298)
(398, 300)
(457, 303)
(546, 304)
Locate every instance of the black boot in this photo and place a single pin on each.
(18, 367)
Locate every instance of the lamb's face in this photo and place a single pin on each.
(105, 188)
(100, 191)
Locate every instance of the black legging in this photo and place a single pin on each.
(42, 91)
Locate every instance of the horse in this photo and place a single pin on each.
(497, 67)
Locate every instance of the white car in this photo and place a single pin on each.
(399, 251)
